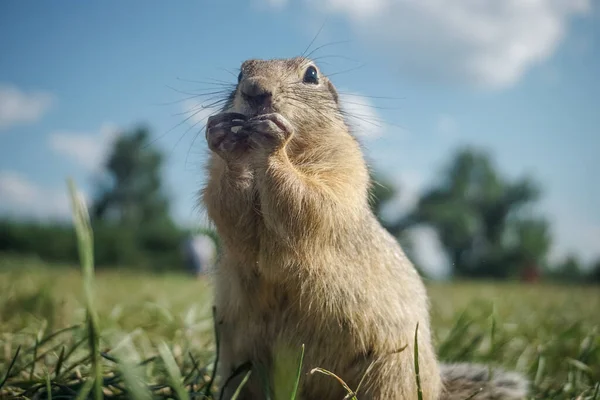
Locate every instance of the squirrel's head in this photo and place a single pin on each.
(294, 87)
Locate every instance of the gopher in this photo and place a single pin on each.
(304, 259)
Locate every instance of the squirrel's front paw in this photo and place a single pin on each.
(221, 137)
(268, 131)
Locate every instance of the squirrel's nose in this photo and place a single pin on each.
(256, 92)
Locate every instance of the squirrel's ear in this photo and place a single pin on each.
(334, 92)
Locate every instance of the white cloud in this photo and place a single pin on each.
(276, 3)
(429, 251)
(409, 184)
(22, 197)
(18, 107)
(361, 115)
(481, 43)
(86, 149)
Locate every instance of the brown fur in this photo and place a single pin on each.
(304, 259)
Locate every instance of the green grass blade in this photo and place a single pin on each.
(85, 246)
(286, 371)
(48, 387)
(298, 375)
(208, 391)
(247, 366)
(134, 382)
(10, 367)
(241, 385)
(35, 350)
(417, 375)
(173, 371)
(85, 390)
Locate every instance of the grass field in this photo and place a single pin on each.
(548, 332)
(67, 332)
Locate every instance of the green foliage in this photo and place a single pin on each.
(572, 269)
(481, 218)
(595, 272)
(156, 248)
(131, 196)
(130, 216)
(54, 242)
(131, 192)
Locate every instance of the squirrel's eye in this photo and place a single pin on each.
(240, 76)
(311, 75)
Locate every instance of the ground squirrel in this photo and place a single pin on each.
(305, 261)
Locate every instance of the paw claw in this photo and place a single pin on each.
(223, 134)
(268, 130)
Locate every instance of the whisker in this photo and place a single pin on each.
(317, 110)
(216, 82)
(176, 126)
(230, 72)
(371, 97)
(190, 128)
(370, 119)
(349, 113)
(334, 56)
(305, 97)
(345, 71)
(369, 105)
(193, 94)
(326, 45)
(365, 121)
(192, 144)
(221, 92)
(200, 107)
(314, 38)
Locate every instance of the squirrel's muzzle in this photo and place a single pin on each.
(257, 92)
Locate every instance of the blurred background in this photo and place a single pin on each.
(480, 123)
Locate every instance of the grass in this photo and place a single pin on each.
(69, 333)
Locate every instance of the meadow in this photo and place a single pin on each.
(70, 332)
(163, 324)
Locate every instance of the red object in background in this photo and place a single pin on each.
(531, 273)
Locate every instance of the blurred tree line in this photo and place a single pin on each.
(485, 222)
(130, 215)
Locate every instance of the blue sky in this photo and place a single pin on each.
(518, 78)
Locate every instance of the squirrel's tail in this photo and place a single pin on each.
(480, 382)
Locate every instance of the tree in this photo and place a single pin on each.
(130, 210)
(132, 192)
(595, 272)
(479, 218)
(570, 269)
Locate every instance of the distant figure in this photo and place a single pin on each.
(200, 253)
